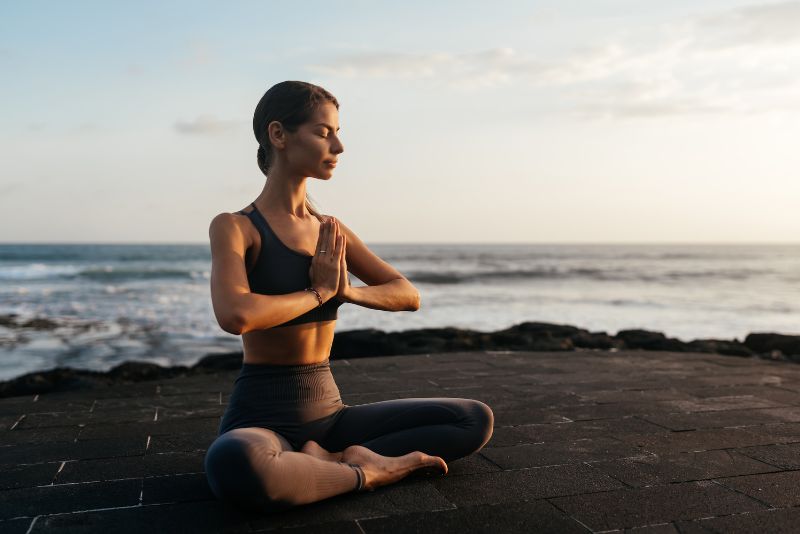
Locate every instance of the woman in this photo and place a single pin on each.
(286, 437)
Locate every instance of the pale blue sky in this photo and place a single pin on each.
(531, 122)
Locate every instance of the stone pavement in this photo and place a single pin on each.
(584, 441)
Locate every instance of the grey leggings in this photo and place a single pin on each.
(274, 409)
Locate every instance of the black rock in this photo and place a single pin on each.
(765, 343)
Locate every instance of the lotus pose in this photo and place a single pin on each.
(278, 276)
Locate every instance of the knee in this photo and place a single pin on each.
(484, 423)
(232, 474)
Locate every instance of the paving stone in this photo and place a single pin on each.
(654, 469)
(604, 396)
(770, 392)
(521, 416)
(16, 526)
(629, 508)
(179, 443)
(612, 411)
(27, 475)
(131, 467)
(21, 436)
(63, 451)
(333, 527)
(52, 419)
(29, 502)
(718, 419)
(194, 517)
(557, 453)
(522, 517)
(345, 507)
(781, 521)
(609, 413)
(696, 440)
(780, 456)
(573, 430)
(470, 465)
(522, 485)
(176, 488)
(780, 490)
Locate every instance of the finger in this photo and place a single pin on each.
(332, 238)
(323, 237)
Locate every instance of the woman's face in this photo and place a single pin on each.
(314, 148)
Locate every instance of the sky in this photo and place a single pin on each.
(611, 121)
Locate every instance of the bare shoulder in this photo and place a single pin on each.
(228, 230)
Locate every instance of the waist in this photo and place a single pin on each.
(287, 383)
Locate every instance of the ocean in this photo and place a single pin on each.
(111, 303)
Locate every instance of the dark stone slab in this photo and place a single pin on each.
(600, 428)
(16, 526)
(557, 453)
(179, 443)
(131, 467)
(384, 501)
(780, 455)
(195, 517)
(522, 517)
(781, 521)
(654, 469)
(643, 506)
(21, 436)
(27, 475)
(176, 488)
(696, 440)
(780, 490)
(29, 502)
(64, 451)
(722, 419)
(522, 485)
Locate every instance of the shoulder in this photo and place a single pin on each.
(229, 227)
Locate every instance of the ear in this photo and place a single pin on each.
(277, 135)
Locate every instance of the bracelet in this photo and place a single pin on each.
(316, 293)
(359, 474)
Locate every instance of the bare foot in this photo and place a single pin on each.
(383, 470)
(315, 449)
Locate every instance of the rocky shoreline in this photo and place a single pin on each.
(527, 336)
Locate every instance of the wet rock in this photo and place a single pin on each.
(648, 340)
(765, 343)
(720, 346)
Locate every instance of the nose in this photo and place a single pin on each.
(337, 147)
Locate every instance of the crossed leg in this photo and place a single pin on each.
(257, 468)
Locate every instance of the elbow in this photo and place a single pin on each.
(415, 302)
(233, 324)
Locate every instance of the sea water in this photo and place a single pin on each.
(111, 303)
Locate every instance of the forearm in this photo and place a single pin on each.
(395, 295)
(258, 312)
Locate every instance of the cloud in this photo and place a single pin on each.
(199, 54)
(743, 60)
(769, 24)
(206, 125)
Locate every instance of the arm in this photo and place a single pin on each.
(236, 309)
(386, 288)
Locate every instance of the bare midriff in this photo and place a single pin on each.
(299, 344)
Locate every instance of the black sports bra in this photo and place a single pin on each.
(280, 270)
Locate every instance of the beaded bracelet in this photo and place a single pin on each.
(319, 298)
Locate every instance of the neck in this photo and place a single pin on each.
(285, 195)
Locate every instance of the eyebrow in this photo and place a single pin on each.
(328, 126)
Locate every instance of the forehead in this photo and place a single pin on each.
(326, 113)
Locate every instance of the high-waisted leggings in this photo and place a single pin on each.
(274, 410)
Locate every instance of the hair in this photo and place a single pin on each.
(291, 103)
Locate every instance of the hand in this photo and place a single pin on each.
(343, 293)
(324, 270)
